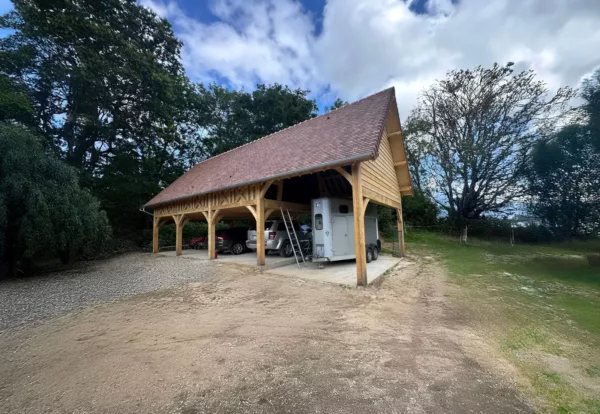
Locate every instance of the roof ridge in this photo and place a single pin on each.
(291, 126)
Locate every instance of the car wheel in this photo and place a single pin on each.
(237, 248)
(197, 246)
(375, 252)
(286, 249)
(369, 254)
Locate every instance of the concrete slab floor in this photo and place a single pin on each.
(343, 272)
(245, 259)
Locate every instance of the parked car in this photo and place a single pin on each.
(198, 243)
(232, 240)
(276, 237)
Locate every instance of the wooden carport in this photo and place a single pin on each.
(356, 150)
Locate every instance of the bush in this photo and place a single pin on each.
(43, 211)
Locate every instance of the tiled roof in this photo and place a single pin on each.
(339, 137)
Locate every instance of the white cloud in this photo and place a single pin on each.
(367, 45)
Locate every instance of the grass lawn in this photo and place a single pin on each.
(539, 305)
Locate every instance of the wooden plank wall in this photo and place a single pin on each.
(379, 175)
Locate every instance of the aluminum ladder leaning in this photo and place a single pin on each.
(296, 248)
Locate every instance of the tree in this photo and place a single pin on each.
(43, 211)
(240, 117)
(590, 92)
(478, 127)
(419, 211)
(14, 102)
(564, 182)
(337, 104)
(564, 172)
(106, 82)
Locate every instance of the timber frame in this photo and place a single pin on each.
(383, 180)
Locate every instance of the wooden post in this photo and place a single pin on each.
(400, 222)
(155, 229)
(260, 231)
(178, 234)
(211, 234)
(359, 226)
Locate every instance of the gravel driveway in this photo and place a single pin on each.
(30, 300)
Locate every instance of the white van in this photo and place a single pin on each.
(333, 230)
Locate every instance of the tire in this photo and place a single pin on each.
(375, 253)
(286, 250)
(197, 246)
(237, 248)
(369, 254)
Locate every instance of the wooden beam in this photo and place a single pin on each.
(252, 210)
(399, 163)
(359, 226)
(365, 204)
(280, 190)
(344, 173)
(264, 189)
(302, 208)
(394, 134)
(260, 232)
(407, 188)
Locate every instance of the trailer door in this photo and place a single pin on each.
(339, 229)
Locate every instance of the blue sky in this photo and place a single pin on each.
(352, 48)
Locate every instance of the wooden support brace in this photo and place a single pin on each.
(399, 163)
(264, 189)
(252, 210)
(365, 204)
(268, 212)
(344, 173)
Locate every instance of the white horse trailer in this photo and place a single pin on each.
(333, 230)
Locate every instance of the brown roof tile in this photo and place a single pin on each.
(346, 134)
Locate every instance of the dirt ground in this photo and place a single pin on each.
(251, 342)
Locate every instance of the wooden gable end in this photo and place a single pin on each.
(386, 178)
(379, 176)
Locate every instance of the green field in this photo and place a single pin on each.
(539, 305)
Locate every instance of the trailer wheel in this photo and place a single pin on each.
(375, 253)
(369, 254)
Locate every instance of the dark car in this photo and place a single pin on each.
(232, 240)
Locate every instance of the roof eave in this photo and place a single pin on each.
(287, 174)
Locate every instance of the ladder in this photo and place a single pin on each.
(289, 227)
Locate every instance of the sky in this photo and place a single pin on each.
(352, 48)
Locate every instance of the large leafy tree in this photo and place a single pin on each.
(43, 211)
(565, 182)
(239, 117)
(564, 172)
(476, 129)
(107, 86)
